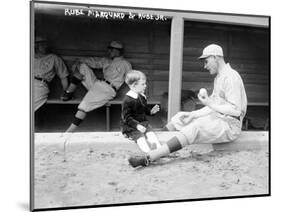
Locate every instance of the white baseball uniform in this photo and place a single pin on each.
(100, 92)
(217, 127)
(46, 67)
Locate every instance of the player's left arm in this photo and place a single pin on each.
(232, 101)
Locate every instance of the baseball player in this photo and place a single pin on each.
(219, 121)
(45, 67)
(100, 89)
(134, 122)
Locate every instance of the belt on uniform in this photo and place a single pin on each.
(41, 79)
(115, 89)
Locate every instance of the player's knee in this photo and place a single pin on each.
(174, 119)
(83, 66)
(190, 131)
(84, 69)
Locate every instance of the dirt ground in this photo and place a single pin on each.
(96, 172)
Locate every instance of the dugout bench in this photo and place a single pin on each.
(252, 102)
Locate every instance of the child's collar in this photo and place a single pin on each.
(133, 94)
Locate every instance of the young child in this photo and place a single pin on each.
(134, 122)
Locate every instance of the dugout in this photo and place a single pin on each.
(164, 44)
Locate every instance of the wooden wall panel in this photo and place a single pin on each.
(245, 48)
(147, 47)
(147, 44)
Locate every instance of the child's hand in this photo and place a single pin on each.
(141, 128)
(155, 109)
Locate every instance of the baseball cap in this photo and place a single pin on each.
(116, 45)
(212, 49)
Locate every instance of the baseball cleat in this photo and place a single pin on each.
(136, 161)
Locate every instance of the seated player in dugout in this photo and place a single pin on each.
(219, 121)
(134, 123)
(100, 89)
(45, 67)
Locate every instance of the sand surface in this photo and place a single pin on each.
(96, 172)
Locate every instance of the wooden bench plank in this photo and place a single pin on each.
(258, 103)
(253, 103)
(111, 102)
(60, 102)
(119, 102)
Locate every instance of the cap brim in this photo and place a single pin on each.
(203, 57)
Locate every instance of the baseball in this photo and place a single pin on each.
(203, 92)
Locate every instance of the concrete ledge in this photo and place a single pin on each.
(249, 140)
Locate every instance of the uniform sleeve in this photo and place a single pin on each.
(213, 94)
(60, 67)
(96, 62)
(125, 68)
(127, 111)
(232, 92)
(128, 67)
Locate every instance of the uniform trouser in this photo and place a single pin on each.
(99, 92)
(41, 91)
(212, 128)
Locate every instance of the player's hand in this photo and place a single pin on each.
(141, 128)
(186, 117)
(204, 99)
(155, 109)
